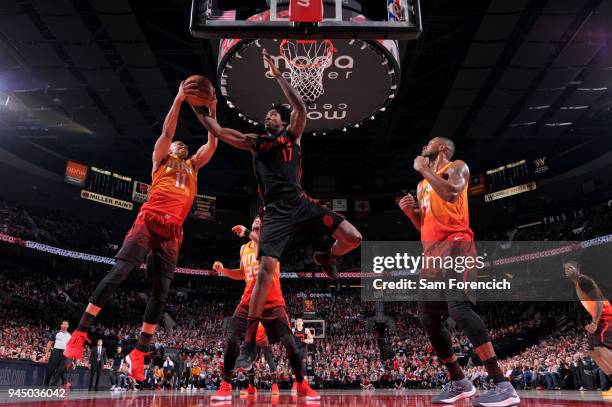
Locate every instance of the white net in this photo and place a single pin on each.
(307, 59)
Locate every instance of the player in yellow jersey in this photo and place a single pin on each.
(600, 309)
(442, 217)
(274, 317)
(158, 229)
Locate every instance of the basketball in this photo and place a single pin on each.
(205, 92)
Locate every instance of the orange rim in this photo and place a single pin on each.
(329, 53)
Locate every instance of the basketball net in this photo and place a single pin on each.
(307, 59)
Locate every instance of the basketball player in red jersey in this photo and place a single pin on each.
(443, 220)
(157, 229)
(287, 208)
(600, 309)
(274, 317)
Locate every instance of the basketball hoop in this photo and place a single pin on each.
(307, 59)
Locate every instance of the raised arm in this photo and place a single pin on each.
(448, 189)
(162, 145)
(407, 206)
(243, 231)
(298, 112)
(234, 274)
(205, 152)
(230, 136)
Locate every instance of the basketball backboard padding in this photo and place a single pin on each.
(345, 102)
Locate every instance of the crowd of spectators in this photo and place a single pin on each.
(200, 250)
(352, 355)
(575, 224)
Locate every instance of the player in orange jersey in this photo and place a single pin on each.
(600, 309)
(158, 229)
(442, 217)
(274, 317)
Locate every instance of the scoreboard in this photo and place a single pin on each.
(510, 179)
(507, 180)
(109, 183)
(118, 190)
(508, 176)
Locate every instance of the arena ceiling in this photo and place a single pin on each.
(91, 80)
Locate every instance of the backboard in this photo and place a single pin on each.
(365, 19)
(343, 88)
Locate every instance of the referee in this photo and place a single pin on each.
(56, 366)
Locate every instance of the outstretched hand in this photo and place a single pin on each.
(240, 230)
(217, 266)
(406, 204)
(190, 88)
(184, 91)
(272, 69)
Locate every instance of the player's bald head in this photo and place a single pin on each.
(572, 263)
(438, 145)
(179, 148)
(450, 146)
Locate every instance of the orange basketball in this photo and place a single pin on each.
(205, 93)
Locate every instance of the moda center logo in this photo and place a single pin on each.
(337, 95)
(340, 68)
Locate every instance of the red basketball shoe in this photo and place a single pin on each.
(275, 391)
(136, 361)
(224, 393)
(74, 347)
(304, 390)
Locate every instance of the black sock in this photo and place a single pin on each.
(454, 370)
(296, 365)
(86, 320)
(252, 378)
(229, 360)
(494, 370)
(251, 330)
(144, 341)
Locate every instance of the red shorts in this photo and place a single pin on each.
(603, 336)
(152, 233)
(458, 246)
(275, 321)
(438, 268)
